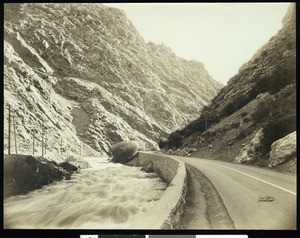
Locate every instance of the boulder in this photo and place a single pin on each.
(76, 161)
(24, 173)
(243, 156)
(68, 167)
(249, 152)
(283, 149)
(191, 150)
(148, 168)
(178, 151)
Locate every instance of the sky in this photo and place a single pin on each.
(222, 36)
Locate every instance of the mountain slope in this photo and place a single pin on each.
(255, 108)
(84, 72)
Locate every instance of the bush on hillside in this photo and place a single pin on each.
(175, 139)
(123, 152)
(235, 103)
(246, 119)
(197, 125)
(162, 143)
(244, 132)
(263, 109)
(243, 114)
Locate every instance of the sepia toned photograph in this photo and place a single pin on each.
(149, 116)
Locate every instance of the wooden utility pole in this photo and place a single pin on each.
(205, 123)
(206, 115)
(45, 143)
(16, 146)
(80, 148)
(61, 145)
(43, 139)
(9, 129)
(33, 135)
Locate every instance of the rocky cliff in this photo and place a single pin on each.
(256, 108)
(84, 73)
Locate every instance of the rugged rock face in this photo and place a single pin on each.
(84, 72)
(261, 97)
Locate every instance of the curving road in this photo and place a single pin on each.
(242, 189)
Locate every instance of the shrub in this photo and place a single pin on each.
(235, 103)
(243, 114)
(175, 139)
(123, 152)
(235, 124)
(162, 143)
(246, 119)
(211, 133)
(197, 125)
(263, 109)
(244, 132)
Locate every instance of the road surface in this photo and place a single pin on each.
(245, 188)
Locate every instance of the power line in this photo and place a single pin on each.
(34, 130)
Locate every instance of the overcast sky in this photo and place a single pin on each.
(222, 36)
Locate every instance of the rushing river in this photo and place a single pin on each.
(105, 196)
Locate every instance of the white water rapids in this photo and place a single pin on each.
(105, 196)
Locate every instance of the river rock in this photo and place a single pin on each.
(75, 160)
(283, 149)
(68, 166)
(148, 168)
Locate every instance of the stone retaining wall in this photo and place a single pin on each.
(167, 211)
